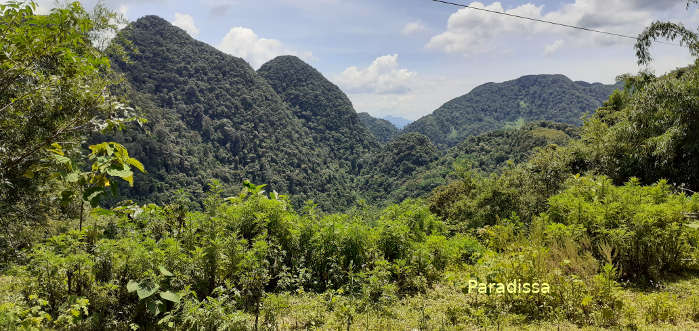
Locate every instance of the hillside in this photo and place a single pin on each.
(324, 109)
(398, 159)
(491, 106)
(382, 129)
(211, 116)
(394, 175)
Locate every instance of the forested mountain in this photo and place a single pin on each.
(395, 175)
(211, 116)
(324, 109)
(382, 129)
(395, 161)
(491, 106)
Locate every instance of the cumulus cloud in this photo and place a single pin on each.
(382, 76)
(413, 28)
(471, 31)
(186, 22)
(245, 43)
(552, 48)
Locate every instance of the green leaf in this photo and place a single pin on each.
(61, 159)
(121, 173)
(73, 177)
(164, 272)
(155, 307)
(146, 290)
(102, 212)
(132, 286)
(136, 164)
(170, 296)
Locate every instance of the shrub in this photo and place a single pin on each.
(646, 226)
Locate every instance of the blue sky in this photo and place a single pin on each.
(407, 57)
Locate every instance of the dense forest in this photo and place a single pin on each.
(160, 184)
(381, 129)
(493, 106)
(211, 116)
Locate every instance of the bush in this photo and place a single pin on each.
(646, 226)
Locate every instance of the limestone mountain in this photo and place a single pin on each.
(323, 108)
(492, 106)
(211, 116)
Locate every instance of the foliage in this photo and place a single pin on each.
(491, 106)
(646, 227)
(382, 129)
(324, 109)
(54, 86)
(399, 158)
(213, 117)
(648, 131)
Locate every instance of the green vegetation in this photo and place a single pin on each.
(424, 169)
(382, 129)
(493, 105)
(213, 117)
(604, 217)
(324, 108)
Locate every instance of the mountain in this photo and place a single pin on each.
(398, 159)
(485, 153)
(382, 129)
(323, 108)
(211, 116)
(492, 106)
(398, 121)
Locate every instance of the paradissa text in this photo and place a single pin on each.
(513, 287)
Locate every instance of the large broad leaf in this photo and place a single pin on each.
(143, 289)
(165, 272)
(147, 290)
(73, 177)
(155, 307)
(132, 286)
(121, 172)
(136, 164)
(102, 212)
(170, 296)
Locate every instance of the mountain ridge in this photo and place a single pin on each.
(491, 106)
(212, 116)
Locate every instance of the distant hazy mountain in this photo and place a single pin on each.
(529, 98)
(399, 122)
(382, 129)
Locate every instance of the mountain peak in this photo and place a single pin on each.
(491, 106)
(324, 108)
(154, 23)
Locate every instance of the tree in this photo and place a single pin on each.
(667, 30)
(54, 89)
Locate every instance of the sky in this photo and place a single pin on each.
(407, 57)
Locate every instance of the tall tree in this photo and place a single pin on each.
(54, 87)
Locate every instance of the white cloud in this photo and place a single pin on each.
(382, 76)
(552, 48)
(186, 22)
(413, 28)
(245, 43)
(471, 31)
(123, 9)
